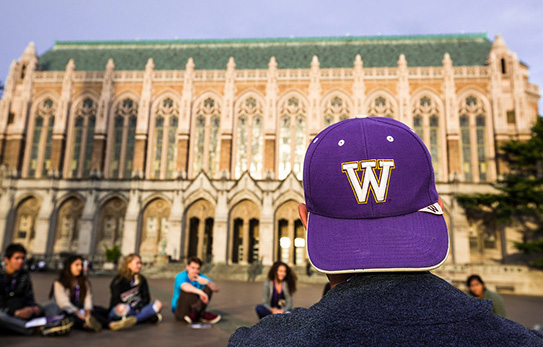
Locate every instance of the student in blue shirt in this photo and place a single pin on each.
(191, 294)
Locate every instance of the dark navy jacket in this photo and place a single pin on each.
(390, 309)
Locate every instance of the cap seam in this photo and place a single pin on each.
(311, 159)
(424, 150)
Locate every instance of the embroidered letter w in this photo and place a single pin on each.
(379, 186)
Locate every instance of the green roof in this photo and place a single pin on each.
(290, 53)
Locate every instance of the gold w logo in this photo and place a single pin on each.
(370, 182)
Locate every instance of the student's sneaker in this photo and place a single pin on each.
(156, 319)
(124, 323)
(190, 318)
(93, 324)
(57, 328)
(211, 318)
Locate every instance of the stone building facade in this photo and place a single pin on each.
(182, 148)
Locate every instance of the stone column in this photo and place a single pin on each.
(14, 148)
(131, 227)
(175, 234)
(403, 91)
(359, 88)
(266, 230)
(142, 128)
(460, 250)
(451, 119)
(61, 120)
(220, 229)
(314, 98)
(46, 225)
(201, 233)
(270, 118)
(6, 202)
(291, 236)
(183, 131)
(87, 232)
(5, 103)
(100, 130)
(227, 116)
(245, 242)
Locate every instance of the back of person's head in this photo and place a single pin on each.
(195, 260)
(372, 202)
(13, 248)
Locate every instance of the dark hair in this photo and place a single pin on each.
(474, 278)
(13, 248)
(194, 260)
(68, 280)
(290, 278)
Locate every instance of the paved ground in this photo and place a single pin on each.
(235, 302)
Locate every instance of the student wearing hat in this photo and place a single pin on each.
(375, 227)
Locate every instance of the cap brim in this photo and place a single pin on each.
(417, 241)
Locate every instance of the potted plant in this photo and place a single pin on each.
(112, 256)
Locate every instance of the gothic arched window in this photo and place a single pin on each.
(164, 150)
(83, 139)
(292, 137)
(249, 138)
(427, 126)
(42, 137)
(473, 128)
(206, 143)
(335, 110)
(381, 106)
(124, 134)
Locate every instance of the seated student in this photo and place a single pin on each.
(17, 304)
(191, 294)
(130, 298)
(477, 289)
(72, 293)
(276, 296)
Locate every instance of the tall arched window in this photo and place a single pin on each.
(164, 152)
(124, 133)
(249, 138)
(381, 106)
(473, 130)
(83, 139)
(292, 137)
(206, 144)
(335, 110)
(42, 137)
(426, 125)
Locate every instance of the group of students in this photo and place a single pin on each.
(71, 304)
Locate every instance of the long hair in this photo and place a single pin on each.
(69, 281)
(124, 271)
(290, 278)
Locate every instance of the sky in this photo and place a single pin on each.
(43, 22)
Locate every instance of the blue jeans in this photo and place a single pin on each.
(262, 311)
(142, 315)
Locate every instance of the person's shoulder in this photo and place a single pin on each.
(294, 328)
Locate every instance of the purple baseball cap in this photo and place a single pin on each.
(373, 206)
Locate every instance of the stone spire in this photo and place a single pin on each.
(359, 88)
(403, 90)
(314, 93)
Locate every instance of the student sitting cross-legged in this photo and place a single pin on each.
(191, 294)
(72, 293)
(130, 298)
(17, 304)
